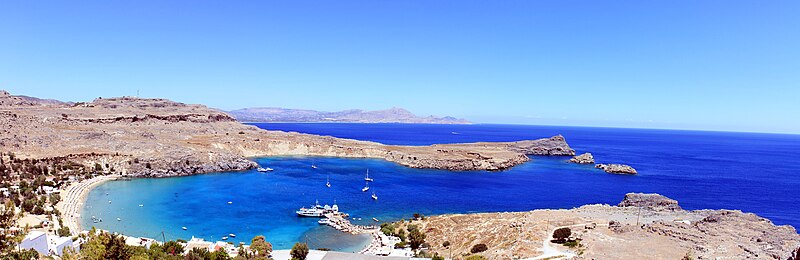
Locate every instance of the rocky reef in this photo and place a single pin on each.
(585, 158)
(153, 137)
(616, 168)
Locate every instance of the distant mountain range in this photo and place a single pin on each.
(392, 115)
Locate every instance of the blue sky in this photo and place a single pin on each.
(714, 65)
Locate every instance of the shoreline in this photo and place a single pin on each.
(73, 198)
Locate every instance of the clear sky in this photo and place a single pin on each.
(716, 65)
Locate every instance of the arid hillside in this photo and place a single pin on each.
(159, 137)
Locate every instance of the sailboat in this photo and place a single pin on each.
(366, 188)
(367, 178)
(328, 184)
(375, 197)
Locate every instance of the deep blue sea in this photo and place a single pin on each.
(716, 170)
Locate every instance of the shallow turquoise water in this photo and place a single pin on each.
(699, 169)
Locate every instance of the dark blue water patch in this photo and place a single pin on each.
(701, 170)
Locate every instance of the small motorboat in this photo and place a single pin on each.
(225, 238)
(232, 235)
(141, 205)
(328, 183)
(119, 219)
(109, 202)
(374, 197)
(324, 221)
(264, 169)
(366, 188)
(375, 219)
(230, 202)
(184, 228)
(313, 166)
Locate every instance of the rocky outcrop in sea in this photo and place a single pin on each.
(585, 158)
(616, 168)
(650, 201)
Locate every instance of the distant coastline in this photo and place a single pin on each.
(284, 115)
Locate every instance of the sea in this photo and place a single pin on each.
(752, 172)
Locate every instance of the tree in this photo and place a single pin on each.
(299, 251)
(415, 238)
(172, 248)
(63, 231)
(478, 248)
(260, 246)
(437, 257)
(219, 255)
(476, 257)
(562, 234)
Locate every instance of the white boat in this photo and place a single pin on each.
(109, 202)
(376, 220)
(141, 205)
(366, 188)
(119, 219)
(324, 221)
(230, 202)
(315, 211)
(367, 178)
(184, 228)
(375, 197)
(264, 169)
(232, 235)
(328, 183)
(313, 166)
(224, 238)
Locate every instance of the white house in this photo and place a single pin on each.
(47, 245)
(36, 240)
(5, 192)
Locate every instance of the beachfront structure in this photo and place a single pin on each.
(200, 243)
(47, 244)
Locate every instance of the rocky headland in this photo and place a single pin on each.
(642, 226)
(157, 137)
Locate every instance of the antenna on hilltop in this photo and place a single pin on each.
(137, 93)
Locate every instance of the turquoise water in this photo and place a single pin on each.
(700, 169)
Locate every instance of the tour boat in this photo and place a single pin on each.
(367, 178)
(366, 188)
(375, 197)
(315, 211)
(184, 228)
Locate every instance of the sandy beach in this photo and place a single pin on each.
(73, 197)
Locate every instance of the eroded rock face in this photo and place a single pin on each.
(616, 168)
(585, 158)
(159, 137)
(650, 201)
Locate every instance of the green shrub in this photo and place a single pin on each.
(299, 251)
(475, 257)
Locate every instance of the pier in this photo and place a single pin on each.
(339, 222)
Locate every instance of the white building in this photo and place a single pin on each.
(47, 244)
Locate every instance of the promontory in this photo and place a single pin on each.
(157, 137)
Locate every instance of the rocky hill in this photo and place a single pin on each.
(159, 137)
(643, 226)
(392, 115)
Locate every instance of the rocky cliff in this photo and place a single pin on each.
(159, 137)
